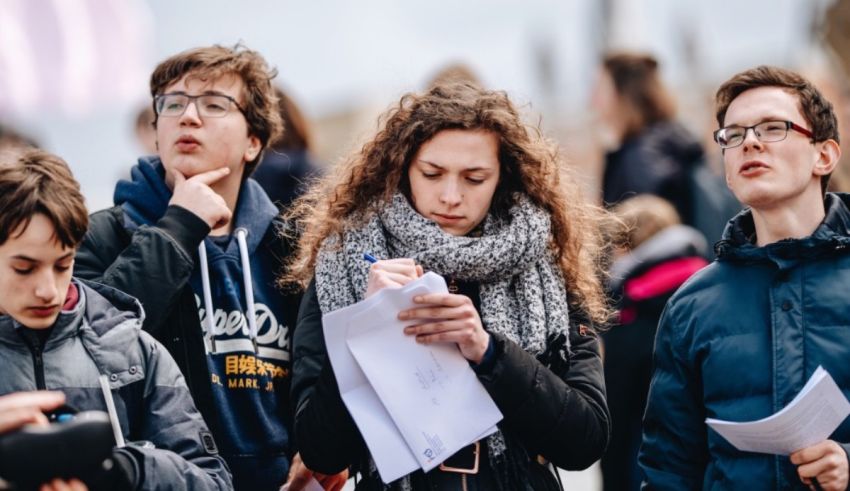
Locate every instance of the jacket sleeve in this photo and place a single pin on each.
(154, 266)
(325, 434)
(674, 452)
(561, 416)
(184, 454)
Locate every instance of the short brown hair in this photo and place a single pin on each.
(639, 86)
(644, 216)
(34, 181)
(259, 101)
(816, 109)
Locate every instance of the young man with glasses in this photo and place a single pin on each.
(196, 241)
(740, 339)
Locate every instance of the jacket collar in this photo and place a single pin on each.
(145, 198)
(108, 322)
(830, 237)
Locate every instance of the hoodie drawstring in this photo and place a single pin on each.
(208, 306)
(241, 233)
(251, 315)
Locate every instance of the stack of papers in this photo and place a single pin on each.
(808, 419)
(415, 405)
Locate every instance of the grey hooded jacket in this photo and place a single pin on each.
(102, 335)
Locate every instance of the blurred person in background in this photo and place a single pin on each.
(651, 152)
(145, 131)
(656, 255)
(288, 165)
(195, 239)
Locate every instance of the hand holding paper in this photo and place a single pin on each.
(808, 419)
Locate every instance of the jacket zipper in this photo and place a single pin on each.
(37, 351)
(38, 362)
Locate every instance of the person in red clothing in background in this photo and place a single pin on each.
(656, 255)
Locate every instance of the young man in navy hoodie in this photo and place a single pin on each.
(196, 240)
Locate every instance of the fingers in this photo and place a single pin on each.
(333, 482)
(811, 453)
(390, 273)
(60, 485)
(25, 408)
(826, 462)
(440, 306)
(178, 177)
(41, 399)
(210, 177)
(446, 299)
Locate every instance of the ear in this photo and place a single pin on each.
(253, 149)
(827, 158)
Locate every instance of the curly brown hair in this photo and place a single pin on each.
(530, 164)
(818, 111)
(258, 99)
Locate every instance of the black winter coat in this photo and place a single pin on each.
(560, 414)
(109, 255)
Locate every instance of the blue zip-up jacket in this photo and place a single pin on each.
(150, 249)
(737, 342)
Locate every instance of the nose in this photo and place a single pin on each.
(190, 116)
(751, 141)
(451, 193)
(45, 289)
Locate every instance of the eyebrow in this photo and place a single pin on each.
(764, 119)
(21, 257)
(206, 92)
(469, 169)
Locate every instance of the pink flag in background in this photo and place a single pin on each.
(73, 57)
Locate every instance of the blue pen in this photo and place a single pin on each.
(369, 258)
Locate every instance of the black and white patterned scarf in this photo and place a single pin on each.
(523, 295)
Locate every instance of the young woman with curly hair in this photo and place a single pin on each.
(455, 183)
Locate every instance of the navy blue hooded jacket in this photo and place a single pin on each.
(150, 249)
(737, 342)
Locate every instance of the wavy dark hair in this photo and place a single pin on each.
(530, 164)
(258, 99)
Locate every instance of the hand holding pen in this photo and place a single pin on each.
(390, 273)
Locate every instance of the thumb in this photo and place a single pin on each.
(177, 178)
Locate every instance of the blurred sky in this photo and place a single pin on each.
(74, 72)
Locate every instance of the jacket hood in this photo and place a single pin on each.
(144, 199)
(831, 235)
(672, 242)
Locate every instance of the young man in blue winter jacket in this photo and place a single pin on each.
(740, 339)
(59, 335)
(196, 240)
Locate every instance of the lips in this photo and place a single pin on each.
(43, 311)
(187, 143)
(753, 167)
(448, 218)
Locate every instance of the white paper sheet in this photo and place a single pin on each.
(410, 436)
(392, 456)
(808, 419)
(430, 391)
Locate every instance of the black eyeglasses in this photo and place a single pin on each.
(207, 105)
(766, 131)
